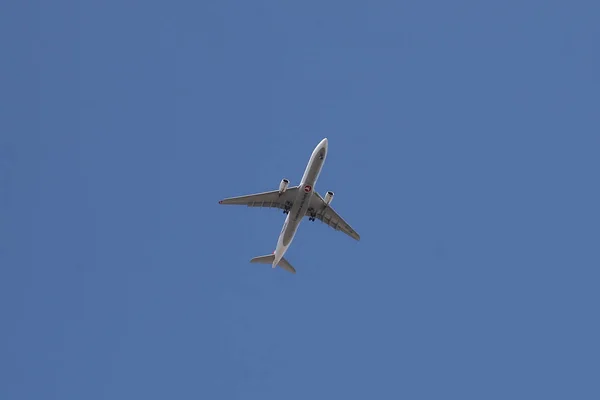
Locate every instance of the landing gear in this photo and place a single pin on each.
(312, 214)
(288, 207)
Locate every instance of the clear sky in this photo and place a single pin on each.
(464, 143)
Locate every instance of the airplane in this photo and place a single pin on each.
(297, 202)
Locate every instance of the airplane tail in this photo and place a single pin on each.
(268, 259)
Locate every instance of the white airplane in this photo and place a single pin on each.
(297, 202)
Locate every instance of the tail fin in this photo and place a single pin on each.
(283, 263)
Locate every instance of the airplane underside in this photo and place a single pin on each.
(297, 202)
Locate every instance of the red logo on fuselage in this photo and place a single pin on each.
(307, 188)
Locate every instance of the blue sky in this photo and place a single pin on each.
(463, 147)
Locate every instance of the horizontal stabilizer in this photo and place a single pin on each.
(264, 259)
(283, 263)
(268, 259)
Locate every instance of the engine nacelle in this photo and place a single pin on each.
(283, 185)
(328, 197)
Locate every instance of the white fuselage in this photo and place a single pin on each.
(302, 202)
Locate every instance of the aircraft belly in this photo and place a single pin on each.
(302, 201)
(301, 205)
(297, 212)
(289, 233)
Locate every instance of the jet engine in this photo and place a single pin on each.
(283, 185)
(328, 197)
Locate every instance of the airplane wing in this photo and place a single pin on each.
(325, 213)
(272, 199)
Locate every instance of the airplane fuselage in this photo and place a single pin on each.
(302, 202)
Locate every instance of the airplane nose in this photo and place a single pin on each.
(324, 142)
